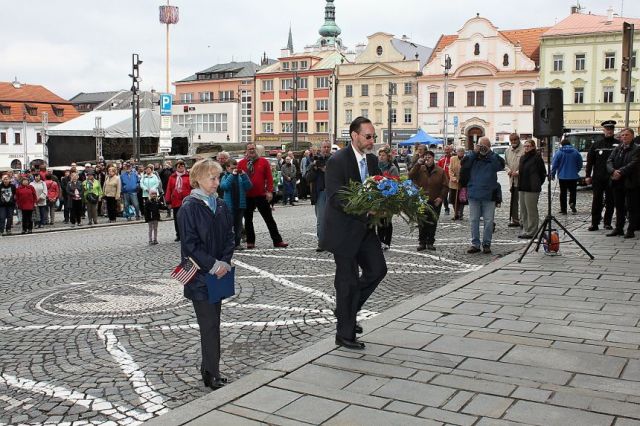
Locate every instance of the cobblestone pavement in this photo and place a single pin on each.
(95, 332)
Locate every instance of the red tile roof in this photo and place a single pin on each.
(18, 98)
(581, 23)
(529, 40)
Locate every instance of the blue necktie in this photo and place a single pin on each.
(363, 169)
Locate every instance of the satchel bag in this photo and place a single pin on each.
(92, 198)
(462, 195)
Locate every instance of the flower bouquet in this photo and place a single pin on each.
(384, 196)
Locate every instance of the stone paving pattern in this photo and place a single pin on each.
(549, 341)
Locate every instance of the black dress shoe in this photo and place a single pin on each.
(358, 329)
(593, 228)
(629, 235)
(615, 233)
(350, 344)
(514, 225)
(608, 227)
(421, 247)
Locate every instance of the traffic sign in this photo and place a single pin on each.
(455, 121)
(166, 100)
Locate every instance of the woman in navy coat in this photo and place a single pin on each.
(206, 236)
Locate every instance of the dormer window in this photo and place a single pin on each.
(5, 109)
(505, 60)
(58, 111)
(285, 66)
(476, 49)
(303, 65)
(31, 110)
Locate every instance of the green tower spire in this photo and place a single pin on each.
(330, 31)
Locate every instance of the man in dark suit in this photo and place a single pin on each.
(350, 238)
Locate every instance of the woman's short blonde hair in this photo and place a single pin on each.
(203, 169)
(112, 168)
(531, 142)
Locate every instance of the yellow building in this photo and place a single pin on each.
(582, 55)
(387, 67)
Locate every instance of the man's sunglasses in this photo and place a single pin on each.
(369, 137)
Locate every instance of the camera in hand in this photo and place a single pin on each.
(319, 161)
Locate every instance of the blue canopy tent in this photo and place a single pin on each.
(422, 138)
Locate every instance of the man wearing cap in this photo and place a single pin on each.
(598, 177)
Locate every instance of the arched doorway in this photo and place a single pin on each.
(473, 134)
(16, 165)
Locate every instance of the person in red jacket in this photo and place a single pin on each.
(259, 171)
(53, 193)
(26, 200)
(178, 188)
(444, 163)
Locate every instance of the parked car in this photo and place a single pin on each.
(582, 141)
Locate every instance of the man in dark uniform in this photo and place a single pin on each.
(623, 165)
(598, 177)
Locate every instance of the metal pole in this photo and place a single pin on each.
(167, 64)
(628, 82)
(446, 107)
(25, 166)
(389, 104)
(138, 125)
(45, 126)
(295, 110)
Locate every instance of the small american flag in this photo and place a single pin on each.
(185, 271)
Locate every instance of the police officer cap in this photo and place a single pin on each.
(608, 123)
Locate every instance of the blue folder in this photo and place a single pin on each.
(221, 288)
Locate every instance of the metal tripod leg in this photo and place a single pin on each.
(533, 239)
(572, 237)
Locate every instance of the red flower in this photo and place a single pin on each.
(389, 176)
(378, 178)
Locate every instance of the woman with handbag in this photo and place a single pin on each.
(457, 194)
(206, 238)
(112, 188)
(92, 194)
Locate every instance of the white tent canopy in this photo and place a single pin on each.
(116, 124)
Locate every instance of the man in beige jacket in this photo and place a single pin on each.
(512, 159)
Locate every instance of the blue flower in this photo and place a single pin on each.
(388, 187)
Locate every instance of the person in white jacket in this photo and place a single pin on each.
(512, 159)
(41, 193)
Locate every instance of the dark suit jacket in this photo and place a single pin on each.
(344, 232)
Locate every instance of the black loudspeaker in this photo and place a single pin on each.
(547, 112)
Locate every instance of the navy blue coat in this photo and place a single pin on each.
(205, 238)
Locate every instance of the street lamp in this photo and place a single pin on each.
(447, 67)
(295, 110)
(135, 103)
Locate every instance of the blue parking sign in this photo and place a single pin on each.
(455, 120)
(166, 100)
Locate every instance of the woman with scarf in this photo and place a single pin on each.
(235, 184)
(177, 189)
(385, 231)
(206, 229)
(531, 176)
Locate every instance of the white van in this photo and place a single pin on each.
(582, 141)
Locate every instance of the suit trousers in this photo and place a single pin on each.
(352, 289)
(626, 204)
(514, 205)
(601, 190)
(385, 231)
(265, 211)
(208, 316)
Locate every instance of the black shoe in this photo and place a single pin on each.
(177, 239)
(473, 249)
(359, 329)
(615, 233)
(486, 250)
(629, 235)
(350, 344)
(525, 236)
(593, 228)
(573, 208)
(421, 247)
(319, 249)
(562, 213)
(608, 227)
(431, 247)
(514, 225)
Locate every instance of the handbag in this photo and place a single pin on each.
(462, 195)
(92, 198)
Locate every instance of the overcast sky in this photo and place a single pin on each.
(73, 46)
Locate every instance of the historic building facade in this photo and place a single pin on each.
(582, 55)
(490, 83)
(381, 84)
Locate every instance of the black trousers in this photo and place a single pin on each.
(352, 289)
(76, 211)
(570, 186)
(238, 214)
(385, 231)
(427, 233)
(27, 220)
(112, 209)
(265, 211)
(175, 221)
(601, 190)
(208, 316)
(625, 201)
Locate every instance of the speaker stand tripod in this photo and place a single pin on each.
(547, 223)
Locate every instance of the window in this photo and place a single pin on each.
(225, 95)
(186, 98)
(294, 65)
(433, 99)
(303, 65)
(476, 49)
(348, 90)
(286, 84)
(394, 115)
(206, 96)
(267, 85)
(407, 115)
(31, 110)
(348, 116)
(16, 139)
(505, 60)
(286, 106)
(378, 116)
(393, 89)
(285, 66)
(408, 88)
(578, 95)
(633, 59)
(557, 62)
(59, 112)
(5, 109)
(378, 89)
(267, 106)
(303, 83)
(267, 127)
(379, 50)
(205, 123)
(286, 127)
(364, 113)
(609, 60)
(526, 97)
(302, 126)
(475, 98)
(3, 138)
(608, 94)
(364, 90)
(322, 82)
(632, 96)
(580, 61)
(322, 127)
(451, 99)
(322, 104)
(302, 105)
(506, 98)
(38, 138)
